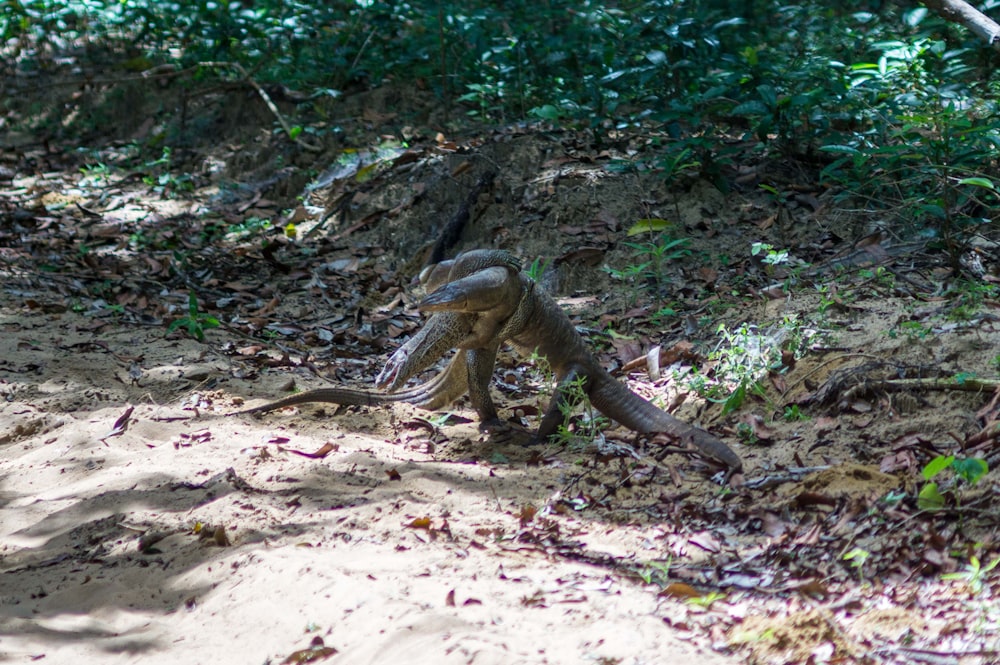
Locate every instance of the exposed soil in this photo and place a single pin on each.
(186, 534)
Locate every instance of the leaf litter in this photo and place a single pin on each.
(824, 554)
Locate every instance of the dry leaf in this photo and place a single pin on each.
(680, 590)
(419, 523)
(316, 651)
(325, 450)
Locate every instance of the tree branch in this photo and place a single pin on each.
(958, 11)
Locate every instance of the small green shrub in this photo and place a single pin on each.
(967, 469)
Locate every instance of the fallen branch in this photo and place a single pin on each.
(968, 16)
(968, 384)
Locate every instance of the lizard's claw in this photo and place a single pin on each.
(493, 426)
(389, 378)
(501, 431)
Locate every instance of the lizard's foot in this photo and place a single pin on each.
(502, 431)
(389, 378)
(493, 426)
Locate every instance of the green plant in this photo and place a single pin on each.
(858, 557)
(793, 414)
(439, 420)
(771, 257)
(968, 469)
(825, 301)
(707, 600)
(678, 158)
(882, 277)
(894, 497)
(249, 227)
(537, 269)
(970, 297)
(571, 396)
(195, 322)
(744, 356)
(914, 330)
(663, 314)
(656, 572)
(746, 434)
(925, 159)
(162, 180)
(974, 574)
(95, 174)
(652, 257)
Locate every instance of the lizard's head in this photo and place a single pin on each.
(466, 264)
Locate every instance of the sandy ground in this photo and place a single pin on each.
(185, 535)
(100, 562)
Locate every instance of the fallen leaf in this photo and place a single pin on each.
(120, 425)
(814, 499)
(527, 514)
(680, 590)
(760, 429)
(706, 541)
(325, 450)
(773, 525)
(813, 588)
(316, 651)
(419, 523)
(588, 256)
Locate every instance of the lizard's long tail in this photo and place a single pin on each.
(621, 404)
(443, 389)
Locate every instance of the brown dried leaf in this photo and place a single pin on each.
(760, 430)
(527, 514)
(317, 651)
(323, 451)
(814, 589)
(588, 256)
(120, 425)
(706, 541)
(220, 538)
(805, 499)
(825, 424)
(773, 525)
(680, 590)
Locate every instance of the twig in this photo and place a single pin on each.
(821, 366)
(938, 657)
(361, 50)
(790, 475)
(970, 384)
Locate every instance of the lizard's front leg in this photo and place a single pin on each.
(442, 332)
(480, 364)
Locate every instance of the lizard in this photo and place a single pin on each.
(534, 323)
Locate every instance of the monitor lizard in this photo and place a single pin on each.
(532, 321)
